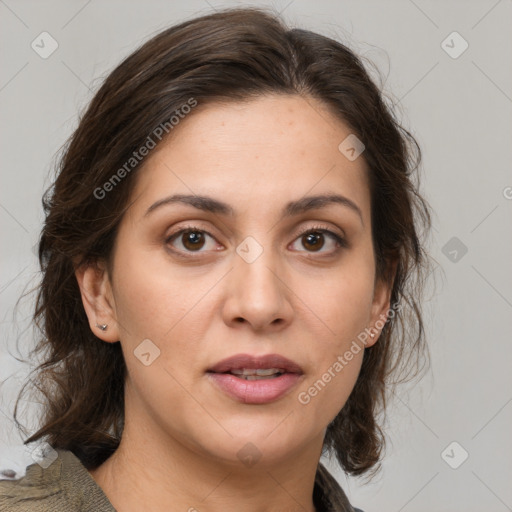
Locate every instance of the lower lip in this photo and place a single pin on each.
(260, 391)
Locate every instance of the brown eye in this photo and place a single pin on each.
(313, 240)
(190, 239)
(317, 238)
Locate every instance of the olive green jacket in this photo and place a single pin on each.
(67, 486)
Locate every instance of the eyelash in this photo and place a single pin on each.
(314, 229)
(325, 231)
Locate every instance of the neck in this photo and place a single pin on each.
(151, 470)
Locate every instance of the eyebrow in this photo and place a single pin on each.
(209, 204)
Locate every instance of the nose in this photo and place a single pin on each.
(258, 294)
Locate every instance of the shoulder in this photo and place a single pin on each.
(39, 489)
(65, 485)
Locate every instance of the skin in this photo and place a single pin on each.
(182, 434)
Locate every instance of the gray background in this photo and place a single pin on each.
(459, 109)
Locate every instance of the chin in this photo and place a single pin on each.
(262, 444)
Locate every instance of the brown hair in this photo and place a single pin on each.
(231, 55)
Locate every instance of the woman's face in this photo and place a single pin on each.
(244, 281)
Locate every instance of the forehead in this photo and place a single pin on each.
(255, 154)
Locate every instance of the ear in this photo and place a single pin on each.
(381, 303)
(98, 299)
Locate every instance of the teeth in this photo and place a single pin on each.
(267, 372)
(258, 377)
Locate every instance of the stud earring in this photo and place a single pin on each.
(103, 327)
(372, 335)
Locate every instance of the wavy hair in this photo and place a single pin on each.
(231, 55)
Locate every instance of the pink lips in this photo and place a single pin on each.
(255, 391)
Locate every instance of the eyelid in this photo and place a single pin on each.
(188, 227)
(180, 231)
(321, 228)
(325, 229)
(339, 238)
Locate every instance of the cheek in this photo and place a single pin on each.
(324, 394)
(341, 302)
(161, 302)
(149, 293)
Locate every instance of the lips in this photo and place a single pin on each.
(255, 379)
(248, 362)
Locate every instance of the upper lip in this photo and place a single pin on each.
(241, 361)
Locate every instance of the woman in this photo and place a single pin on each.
(231, 278)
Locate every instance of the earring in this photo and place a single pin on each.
(372, 335)
(103, 327)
